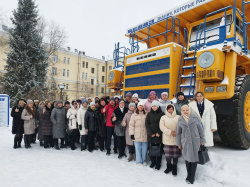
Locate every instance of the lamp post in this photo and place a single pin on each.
(61, 87)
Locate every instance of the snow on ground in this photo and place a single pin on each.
(49, 167)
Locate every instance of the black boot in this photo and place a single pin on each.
(62, 144)
(72, 143)
(46, 141)
(188, 166)
(158, 163)
(26, 141)
(29, 140)
(153, 161)
(174, 170)
(41, 143)
(192, 172)
(15, 142)
(169, 168)
(56, 144)
(83, 142)
(108, 152)
(51, 141)
(19, 142)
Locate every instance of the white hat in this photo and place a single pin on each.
(135, 95)
(140, 103)
(117, 96)
(164, 93)
(92, 103)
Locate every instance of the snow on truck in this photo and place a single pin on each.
(202, 45)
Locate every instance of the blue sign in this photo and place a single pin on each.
(4, 110)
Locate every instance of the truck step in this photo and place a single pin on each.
(188, 67)
(190, 58)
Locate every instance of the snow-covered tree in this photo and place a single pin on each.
(26, 60)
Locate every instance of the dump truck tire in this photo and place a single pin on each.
(234, 130)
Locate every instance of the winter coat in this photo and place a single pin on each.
(44, 121)
(137, 127)
(168, 123)
(101, 124)
(58, 118)
(153, 125)
(127, 118)
(109, 111)
(147, 105)
(17, 124)
(91, 120)
(119, 128)
(163, 104)
(29, 123)
(80, 119)
(208, 119)
(189, 136)
(127, 102)
(72, 116)
(179, 104)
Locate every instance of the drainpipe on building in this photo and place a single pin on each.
(97, 80)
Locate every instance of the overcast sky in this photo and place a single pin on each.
(94, 26)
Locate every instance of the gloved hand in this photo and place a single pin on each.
(80, 127)
(132, 137)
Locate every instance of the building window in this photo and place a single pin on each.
(87, 65)
(103, 78)
(92, 90)
(67, 86)
(68, 60)
(82, 88)
(67, 73)
(54, 71)
(82, 75)
(53, 85)
(64, 60)
(54, 58)
(64, 72)
(103, 68)
(92, 70)
(86, 77)
(67, 97)
(92, 81)
(86, 88)
(83, 64)
(102, 90)
(110, 68)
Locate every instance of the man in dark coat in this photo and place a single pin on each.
(117, 118)
(154, 132)
(91, 125)
(17, 127)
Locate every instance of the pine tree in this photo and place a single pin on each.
(26, 66)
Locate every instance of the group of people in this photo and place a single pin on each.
(154, 126)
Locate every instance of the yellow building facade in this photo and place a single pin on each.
(82, 75)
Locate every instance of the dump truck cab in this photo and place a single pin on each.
(201, 45)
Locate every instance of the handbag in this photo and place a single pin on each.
(154, 150)
(203, 155)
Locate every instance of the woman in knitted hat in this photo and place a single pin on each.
(138, 133)
(154, 133)
(58, 118)
(168, 126)
(129, 141)
(150, 99)
(29, 117)
(164, 101)
(135, 99)
(128, 99)
(181, 100)
(91, 125)
(190, 136)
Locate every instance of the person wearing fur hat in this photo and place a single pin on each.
(80, 120)
(154, 133)
(17, 123)
(128, 99)
(91, 125)
(116, 98)
(181, 100)
(150, 99)
(117, 118)
(135, 99)
(72, 125)
(89, 100)
(164, 101)
(29, 117)
(58, 118)
(138, 133)
(108, 111)
(168, 126)
(101, 134)
(129, 141)
(190, 136)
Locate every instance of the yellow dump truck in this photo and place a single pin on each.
(201, 45)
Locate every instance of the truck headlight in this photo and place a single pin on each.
(206, 59)
(209, 89)
(221, 88)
